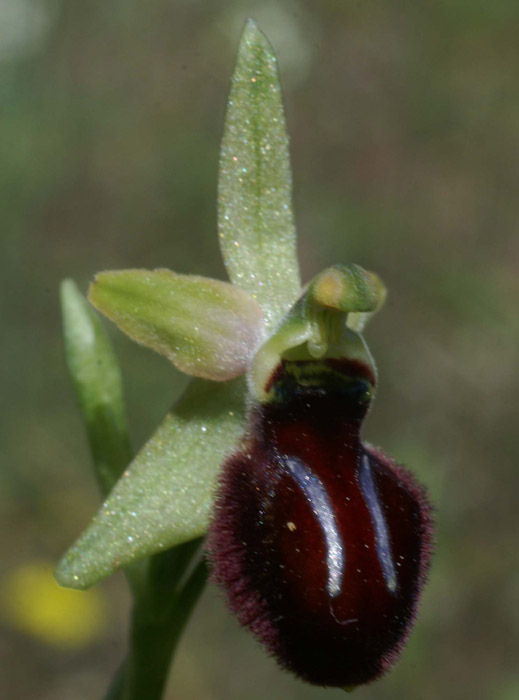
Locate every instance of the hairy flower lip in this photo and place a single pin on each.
(233, 569)
(321, 542)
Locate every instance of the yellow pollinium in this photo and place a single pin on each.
(330, 288)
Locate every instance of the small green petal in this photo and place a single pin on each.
(205, 327)
(324, 322)
(255, 219)
(97, 380)
(165, 496)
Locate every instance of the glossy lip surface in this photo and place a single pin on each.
(321, 543)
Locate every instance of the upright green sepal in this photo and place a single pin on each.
(325, 322)
(205, 327)
(165, 496)
(97, 380)
(255, 219)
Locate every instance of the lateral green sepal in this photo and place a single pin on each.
(164, 498)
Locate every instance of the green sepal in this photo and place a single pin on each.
(164, 498)
(323, 323)
(95, 374)
(255, 219)
(205, 327)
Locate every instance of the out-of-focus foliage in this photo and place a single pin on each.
(404, 123)
(33, 603)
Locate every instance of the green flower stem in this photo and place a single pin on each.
(153, 639)
(165, 573)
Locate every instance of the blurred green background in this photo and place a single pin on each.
(404, 120)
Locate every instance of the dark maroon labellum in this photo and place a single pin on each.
(320, 542)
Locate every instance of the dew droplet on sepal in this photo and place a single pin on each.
(320, 543)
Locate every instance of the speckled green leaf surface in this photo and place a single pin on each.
(256, 224)
(205, 327)
(164, 497)
(97, 380)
